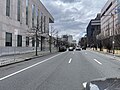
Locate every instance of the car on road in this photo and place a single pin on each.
(78, 48)
(71, 49)
(62, 48)
(83, 48)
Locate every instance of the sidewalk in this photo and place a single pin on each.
(11, 59)
(115, 56)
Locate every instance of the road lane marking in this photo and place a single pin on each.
(73, 53)
(85, 53)
(10, 75)
(70, 60)
(97, 61)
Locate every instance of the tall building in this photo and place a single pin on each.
(93, 30)
(70, 38)
(110, 23)
(16, 18)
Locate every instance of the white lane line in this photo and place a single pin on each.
(73, 53)
(85, 53)
(70, 60)
(97, 61)
(10, 75)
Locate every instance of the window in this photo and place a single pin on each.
(18, 10)
(33, 42)
(27, 41)
(41, 22)
(44, 24)
(27, 4)
(7, 7)
(33, 14)
(19, 40)
(37, 17)
(8, 39)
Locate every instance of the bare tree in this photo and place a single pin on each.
(35, 33)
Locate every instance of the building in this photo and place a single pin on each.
(93, 30)
(65, 38)
(16, 18)
(110, 24)
(70, 39)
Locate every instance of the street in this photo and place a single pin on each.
(59, 71)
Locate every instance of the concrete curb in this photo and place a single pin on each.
(14, 61)
(107, 54)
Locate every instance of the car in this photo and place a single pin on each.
(62, 48)
(71, 48)
(83, 48)
(78, 49)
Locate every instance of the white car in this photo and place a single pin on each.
(71, 48)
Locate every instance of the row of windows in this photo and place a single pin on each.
(8, 4)
(8, 41)
(35, 11)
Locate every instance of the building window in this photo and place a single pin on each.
(18, 10)
(27, 41)
(37, 17)
(41, 22)
(8, 39)
(33, 42)
(7, 7)
(27, 4)
(33, 15)
(19, 40)
(44, 24)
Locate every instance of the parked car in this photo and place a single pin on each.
(62, 48)
(83, 48)
(71, 48)
(78, 48)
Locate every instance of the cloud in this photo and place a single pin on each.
(73, 16)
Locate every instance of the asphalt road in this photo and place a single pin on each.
(60, 71)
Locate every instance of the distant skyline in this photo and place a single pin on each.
(73, 16)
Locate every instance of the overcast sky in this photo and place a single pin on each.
(72, 16)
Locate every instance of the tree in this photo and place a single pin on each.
(35, 32)
(52, 38)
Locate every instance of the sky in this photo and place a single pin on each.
(72, 16)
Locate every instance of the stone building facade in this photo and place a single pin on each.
(16, 18)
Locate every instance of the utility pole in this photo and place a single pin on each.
(50, 40)
(36, 36)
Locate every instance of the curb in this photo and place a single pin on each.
(107, 54)
(10, 62)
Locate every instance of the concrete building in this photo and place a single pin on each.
(70, 38)
(16, 18)
(93, 30)
(107, 21)
(65, 38)
(110, 16)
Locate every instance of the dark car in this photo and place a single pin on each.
(83, 48)
(62, 48)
